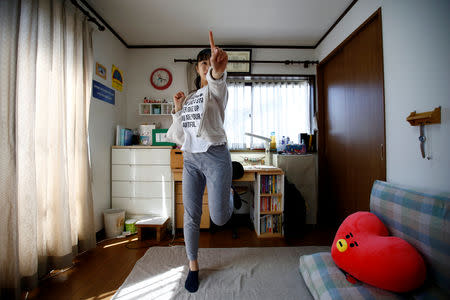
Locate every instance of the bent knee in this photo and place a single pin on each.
(221, 219)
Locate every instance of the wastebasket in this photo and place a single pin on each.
(114, 221)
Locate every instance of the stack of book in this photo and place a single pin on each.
(270, 204)
(270, 184)
(270, 224)
(124, 136)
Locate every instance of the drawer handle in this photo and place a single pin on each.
(178, 152)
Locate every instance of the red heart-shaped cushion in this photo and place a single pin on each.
(363, 248)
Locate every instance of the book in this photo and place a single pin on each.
(118, 134)
(128, 137)
(124, 136)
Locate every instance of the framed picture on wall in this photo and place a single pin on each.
(100, 70)
(234, 66)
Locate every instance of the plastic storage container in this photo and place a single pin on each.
(114, 222)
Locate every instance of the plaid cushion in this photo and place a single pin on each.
(430, 291)
(422, 219)
(326, 281)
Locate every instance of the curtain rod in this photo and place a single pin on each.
(305, 63)
(236, 80)
(88, 15)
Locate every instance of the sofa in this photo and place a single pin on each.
(421, 218)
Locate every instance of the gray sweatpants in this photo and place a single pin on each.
(212, 167)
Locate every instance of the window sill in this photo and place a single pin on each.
(254, 150)
(249, 150)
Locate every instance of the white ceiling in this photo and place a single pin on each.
(233, 22)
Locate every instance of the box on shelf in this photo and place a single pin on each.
(145, 134)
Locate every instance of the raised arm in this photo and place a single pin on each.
(219, 58)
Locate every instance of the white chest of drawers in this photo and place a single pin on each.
(141, 180)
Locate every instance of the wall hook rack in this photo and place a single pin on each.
(422, 119)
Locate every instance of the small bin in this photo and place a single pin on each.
(114, 222)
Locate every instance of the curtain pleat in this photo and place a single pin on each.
(9, 267)
(46, 198)
(26, 94)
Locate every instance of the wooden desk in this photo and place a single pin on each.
(249, 176)
(179, 207)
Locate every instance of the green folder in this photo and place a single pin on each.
(159, 138)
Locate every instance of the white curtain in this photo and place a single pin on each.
(283, 108)
(238, 115)
(46, 209)
(265, 107)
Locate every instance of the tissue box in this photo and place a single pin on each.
(296, 149)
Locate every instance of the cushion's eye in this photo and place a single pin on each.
(341, 245)
(347, 236)
(352, 245)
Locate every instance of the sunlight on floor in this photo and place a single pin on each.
(122, 242)
(161, 286)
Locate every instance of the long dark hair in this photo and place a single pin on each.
(202, 55)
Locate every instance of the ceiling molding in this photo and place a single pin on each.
(105, 23)
(335, 23)
(224, 46)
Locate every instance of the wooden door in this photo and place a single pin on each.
(351, 122)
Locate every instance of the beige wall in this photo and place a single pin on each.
(416, 47)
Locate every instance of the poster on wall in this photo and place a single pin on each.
(103, 93)
(117, 78)
(100, 70)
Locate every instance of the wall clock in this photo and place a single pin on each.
(161, 79)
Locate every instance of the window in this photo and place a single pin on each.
(264, 106)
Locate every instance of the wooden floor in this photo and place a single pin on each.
(98, 273)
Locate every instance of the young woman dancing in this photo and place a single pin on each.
(198, 126)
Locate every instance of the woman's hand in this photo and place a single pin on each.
(178, 100)
(219, 58)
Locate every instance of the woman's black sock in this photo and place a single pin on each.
(191, 283)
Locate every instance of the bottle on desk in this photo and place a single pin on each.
(273, 143)
(282, 144)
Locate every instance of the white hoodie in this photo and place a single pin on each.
(211, 124)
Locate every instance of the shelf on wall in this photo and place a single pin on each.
(152, 109)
